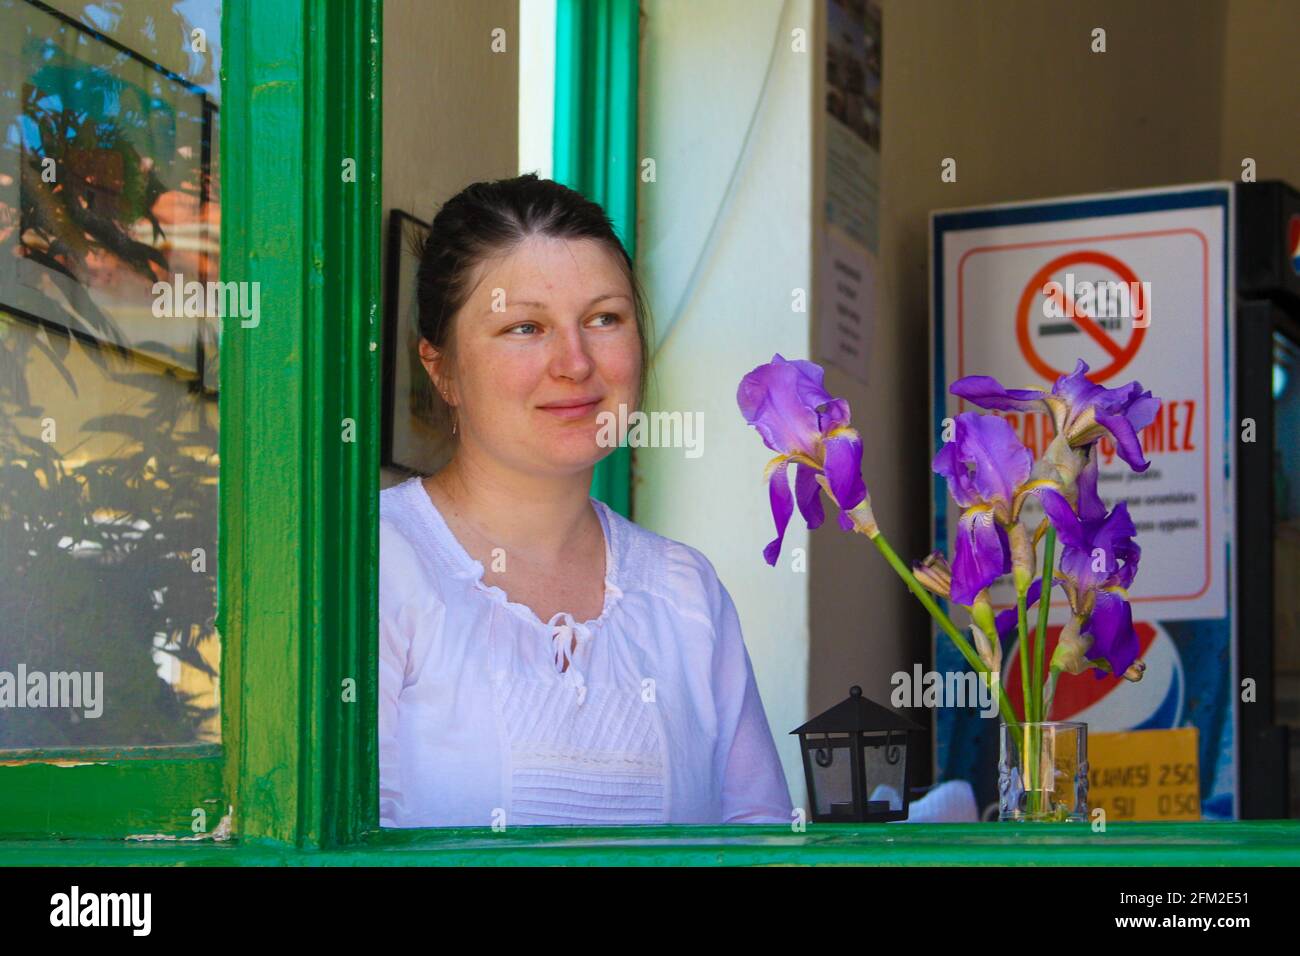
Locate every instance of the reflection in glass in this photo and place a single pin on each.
(108, 398)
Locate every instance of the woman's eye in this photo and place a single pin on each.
(525, 325)
(613, 317)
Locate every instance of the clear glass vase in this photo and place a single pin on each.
(1043, 772)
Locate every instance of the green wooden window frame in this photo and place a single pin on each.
(298, 505)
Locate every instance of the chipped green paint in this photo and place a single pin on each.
(133, 792)
(596, 43)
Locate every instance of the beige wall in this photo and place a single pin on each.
(450, 104)
(1261, 105)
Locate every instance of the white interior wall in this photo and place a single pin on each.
(722, 303)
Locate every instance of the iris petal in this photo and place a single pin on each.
(987, 392)
(844, 470)
(1126, 440)
(1068, 527)
(1091, 507)
(948, 464)
(982, 554)
(1076, 389)
(808, 495)
(1001, 462)
(770, 399)
(778, 490)
(1113, 638)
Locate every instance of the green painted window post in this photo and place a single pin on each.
(298, 493)
(596, 44)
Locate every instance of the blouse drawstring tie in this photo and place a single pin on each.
(562, 638)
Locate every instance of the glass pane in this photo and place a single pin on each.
(883, 765)
(109, 204)
(832, 773)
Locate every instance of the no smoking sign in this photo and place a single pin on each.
(1084, 304)
(1139, 296)
(1138, 286)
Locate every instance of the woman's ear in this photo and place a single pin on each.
(434, 361)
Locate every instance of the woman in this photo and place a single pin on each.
(543, 660)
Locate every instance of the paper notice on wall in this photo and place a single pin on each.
(847, 303)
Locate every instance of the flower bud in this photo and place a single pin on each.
(1071, 653)
(981, 613)
(989, 650)
(934, 573)
(1023, 563)
(1085, 429)
(1061, 463)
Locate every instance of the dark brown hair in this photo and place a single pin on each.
(490, 219)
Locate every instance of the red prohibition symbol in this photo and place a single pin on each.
(1120, 355)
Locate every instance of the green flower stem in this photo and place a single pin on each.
(922, 595)
(1030, 763)
(1022, 627)
(1044, 606)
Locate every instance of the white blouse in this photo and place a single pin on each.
(657, 718)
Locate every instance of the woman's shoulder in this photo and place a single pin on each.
(403, 564)
(396, 520)
(662, 566)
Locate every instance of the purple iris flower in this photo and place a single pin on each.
(1082, 410)
(987, 469)
(1103, 637)
(1099, 560)
(804, 424)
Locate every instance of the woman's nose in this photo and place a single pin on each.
(571, 359)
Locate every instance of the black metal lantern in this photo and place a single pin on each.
(855, 761)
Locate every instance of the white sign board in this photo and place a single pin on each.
(1136, 285)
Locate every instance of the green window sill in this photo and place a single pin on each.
(1254, 843)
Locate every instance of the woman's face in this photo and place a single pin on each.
(550, 325)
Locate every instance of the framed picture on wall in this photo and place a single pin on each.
(413, 441)
(102, 177)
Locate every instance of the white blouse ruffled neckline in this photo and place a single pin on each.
(568, 637)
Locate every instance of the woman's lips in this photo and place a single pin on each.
(572, 412)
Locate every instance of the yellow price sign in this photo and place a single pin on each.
(1145, 774)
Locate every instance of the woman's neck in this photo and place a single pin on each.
(528, 514)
